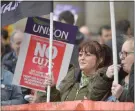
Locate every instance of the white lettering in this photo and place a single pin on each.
(15, 5)
(57, 33)
(64, 34)
(2, 8)
(46, 30)
(34, 59)
(43, 29)
(40, 61)
(44, 51)
(7, 8)
(37, 28)
(40, 50)
(54, 52)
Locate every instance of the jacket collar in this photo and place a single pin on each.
(78, 74)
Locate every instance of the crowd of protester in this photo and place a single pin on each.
(10, 94)
(91, 71)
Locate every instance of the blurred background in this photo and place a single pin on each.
(90, 14)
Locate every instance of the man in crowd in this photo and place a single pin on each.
(123, 31)
(105, 34)
(10, 94)
(10, 59)
(68, 18)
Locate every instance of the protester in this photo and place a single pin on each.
(10, 94)
(105, 37)
(88, 81)
(105, 34)
(9, 60)
(4, 35)
(122, 33)
(68, 17)
(120, 91)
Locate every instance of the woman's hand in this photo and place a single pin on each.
(116, 90)
(29, 98)
(37, 97)
(49, 81)
(110, 71)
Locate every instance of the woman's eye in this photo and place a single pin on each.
(80, 54)
(88, 54)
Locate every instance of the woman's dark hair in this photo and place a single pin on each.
(107, 57)
(94, 48)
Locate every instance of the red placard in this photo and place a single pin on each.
(37, 62)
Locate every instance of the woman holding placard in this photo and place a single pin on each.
(88, 81)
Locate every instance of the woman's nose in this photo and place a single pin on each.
(83, 56)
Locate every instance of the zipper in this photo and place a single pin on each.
(76, 94)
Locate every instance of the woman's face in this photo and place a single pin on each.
(127, 57)
(87, 61)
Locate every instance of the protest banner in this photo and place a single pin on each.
(85, 105)
(33, 60)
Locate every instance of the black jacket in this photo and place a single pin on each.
(9, 61)
(7, 49)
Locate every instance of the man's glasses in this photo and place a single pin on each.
(124, 54)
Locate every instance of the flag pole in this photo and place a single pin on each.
(112, 16)
(50, 55)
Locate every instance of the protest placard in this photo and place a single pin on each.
(33, 60)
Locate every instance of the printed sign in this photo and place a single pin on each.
(61, 32)
(33, 60)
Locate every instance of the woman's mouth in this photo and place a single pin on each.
(83, 63)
